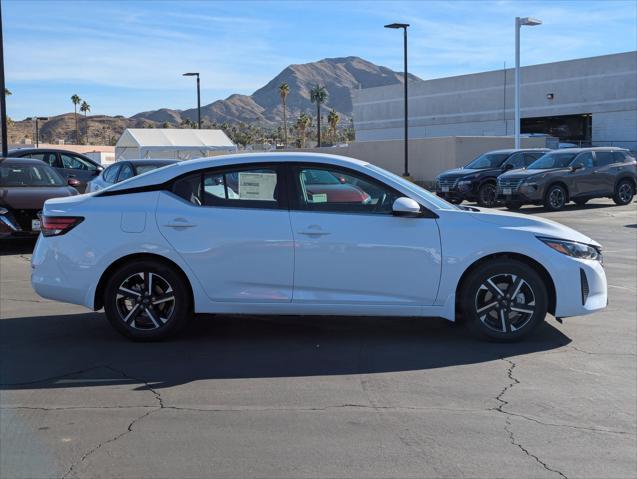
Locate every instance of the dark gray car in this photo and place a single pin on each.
(76, 168)
(25, 184)
(571, 174)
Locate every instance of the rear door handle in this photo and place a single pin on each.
(179, 223)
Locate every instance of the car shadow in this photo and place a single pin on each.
(533, 210)
(81, 350)
(10, 246)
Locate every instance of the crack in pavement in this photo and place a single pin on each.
(129, 428)
(507, 427)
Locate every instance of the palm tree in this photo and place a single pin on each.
(76, 101)
(303, 122)
(333, 120)
(85, 108)
(284, 91)
(318, 95)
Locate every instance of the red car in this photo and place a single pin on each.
(25, 184)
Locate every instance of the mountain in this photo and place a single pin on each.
(339, 76)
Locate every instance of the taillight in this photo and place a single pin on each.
(58, 225)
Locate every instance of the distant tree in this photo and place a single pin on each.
(188, 123)
(85, 108)
(333, 119)
(7, 92)
(76, 101)
(318, 95)
(303, 122)
(284, 91)
(165, 125)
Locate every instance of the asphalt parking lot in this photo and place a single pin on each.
(322, 397)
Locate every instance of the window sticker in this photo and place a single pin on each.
(318, 198)
(257, 186)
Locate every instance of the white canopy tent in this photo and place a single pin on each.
(170, 143)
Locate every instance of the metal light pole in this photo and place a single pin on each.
(37, 129)
(198, 97)
(406, 139)
(519, 22)
(3, 100)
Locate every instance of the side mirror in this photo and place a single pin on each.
(507, 167)
(74, 182)
(406, 207)
(576, 167)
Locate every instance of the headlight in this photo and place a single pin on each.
(464, 182)
(574, 249)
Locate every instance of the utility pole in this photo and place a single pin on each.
(3, 97)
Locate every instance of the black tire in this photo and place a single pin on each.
(513, 205)
(555, 198)
(624, 192)
(503, 319)
(487, 195)
(580, 202)
(132, 311)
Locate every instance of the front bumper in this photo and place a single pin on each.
(522, 195)
(581, 288)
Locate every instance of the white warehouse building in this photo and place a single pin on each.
(588, 101)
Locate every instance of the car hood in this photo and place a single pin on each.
(533, 224)
(32, 198)
(457, 172)
(526, 173)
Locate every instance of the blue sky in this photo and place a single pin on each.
(124, 57)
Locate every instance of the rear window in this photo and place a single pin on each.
(29, 175)
(141, 169)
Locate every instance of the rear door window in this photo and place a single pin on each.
(110, 174)
(126, 172)
(516, 160)
(604, 158)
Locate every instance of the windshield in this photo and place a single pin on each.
(413, 187)
(29, 175)
(488, 160)
(552, 160)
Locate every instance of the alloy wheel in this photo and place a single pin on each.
(488, 196)
(505, 303)
(556, 198)
(625, 192)
(145, 301)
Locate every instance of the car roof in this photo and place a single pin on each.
(162, 175)
(148, 161)
(517, 150)
(593, 148)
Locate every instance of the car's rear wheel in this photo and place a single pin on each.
(147, 301)
(503, 300)
(624, 192)
(487, 195)
(556, 198)
(513, 205)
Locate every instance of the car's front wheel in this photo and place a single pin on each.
(487, 196)
(147, 300)
(624, 192)
(503, 300)
(556, 198)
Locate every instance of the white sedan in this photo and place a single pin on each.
(306, 234)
